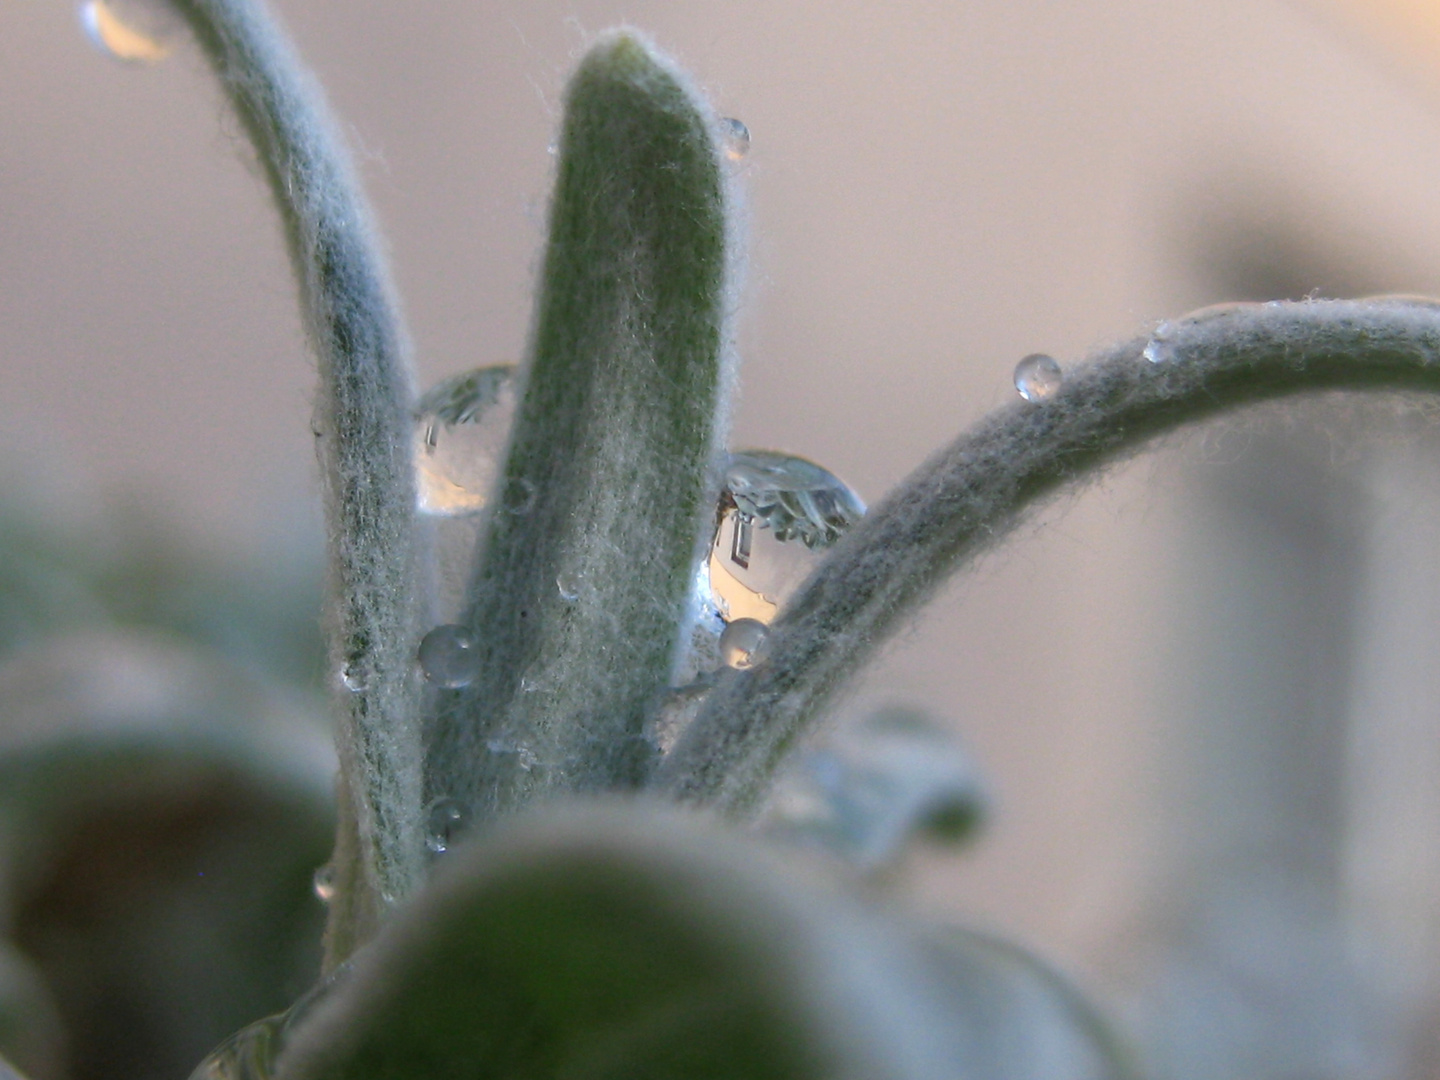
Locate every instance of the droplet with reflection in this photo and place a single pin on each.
(461, 427)
(1038, 377)
(777, 515)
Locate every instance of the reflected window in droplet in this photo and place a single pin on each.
(462, 425)
(135, 31)
(778, 513)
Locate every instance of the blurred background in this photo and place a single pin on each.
(1203, 689)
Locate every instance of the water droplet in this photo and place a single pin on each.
(1160, 349)
(352, 676)
(325, 882)
(519, 496)
(552, 148)
(447, 656)
(1038, 377)
(445, 820)
(461, 427)
(252, 1052)
(568, 586)
(737, 137)
(742, 642)
(135, 31)
(778, 513)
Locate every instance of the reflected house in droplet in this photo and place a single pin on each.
(777, 514)
(461, 427)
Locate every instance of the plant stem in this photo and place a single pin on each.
(362, 415)
(973, 493)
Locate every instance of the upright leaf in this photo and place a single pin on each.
(581, 598)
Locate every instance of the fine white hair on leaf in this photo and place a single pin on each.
(581, 595)
(363, 423)
(971, 494)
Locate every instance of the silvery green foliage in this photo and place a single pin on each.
(578, 605)
(363, 420)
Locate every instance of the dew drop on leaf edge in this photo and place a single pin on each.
(1038, 377)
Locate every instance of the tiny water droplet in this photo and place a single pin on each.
(552, 148)
(778, 512)
(461, 427)
(1038, 377)
(742, 642)
(352, 676)
(445, 820)
(447, 656)
(1160, 349)
(737, 137)
(134, 31)
(519, 496)
(325, 882)
(568, 586)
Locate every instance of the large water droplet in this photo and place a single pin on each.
(742, 642)
(737, 137)
(324, 882)
(136, 31)
(1038, 377)
(445, 820)
(461, 427)
(447, 656)
(778, 512)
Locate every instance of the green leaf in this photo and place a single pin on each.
(581, 599)
(627, 941)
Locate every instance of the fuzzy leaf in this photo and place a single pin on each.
(362, 419)
(971, 494)
(582, 594)
(608, 940)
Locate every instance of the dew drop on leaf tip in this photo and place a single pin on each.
(1038, 377)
